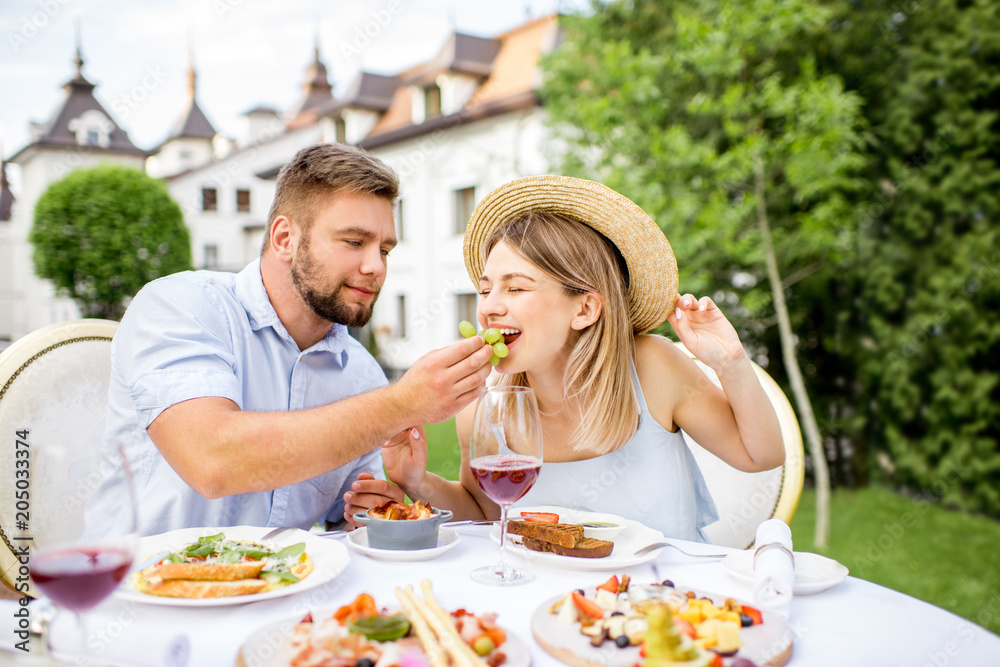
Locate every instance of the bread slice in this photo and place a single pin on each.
(588, 547)
(186, 588)
(208, 571)
(564, 534)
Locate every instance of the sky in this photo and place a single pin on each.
(246, 52)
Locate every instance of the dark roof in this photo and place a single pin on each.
(79, 99)
(465, 54)
(316, 91)
(193, 124)
(6, 196)
(368, 91)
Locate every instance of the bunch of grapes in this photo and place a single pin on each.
(491, 336)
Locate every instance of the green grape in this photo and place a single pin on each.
(494, 360)
(499, 349)
(466, 329)
(492, 335)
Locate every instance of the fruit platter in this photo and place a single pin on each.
(628, 624)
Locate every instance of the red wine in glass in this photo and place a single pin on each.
(79, 579)
(505, 478)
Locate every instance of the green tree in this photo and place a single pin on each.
(101, 234)
(931, 250)
(713, 117)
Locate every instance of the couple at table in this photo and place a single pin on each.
(242, 400)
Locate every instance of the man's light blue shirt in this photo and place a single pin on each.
(204, 333)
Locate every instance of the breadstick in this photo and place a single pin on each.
(470, 656)
(447, 635)
(424, 633)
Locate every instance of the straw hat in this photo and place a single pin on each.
(652, 279)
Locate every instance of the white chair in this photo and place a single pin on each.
(55, 387)
(745, 499)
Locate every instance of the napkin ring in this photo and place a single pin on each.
(771, 545)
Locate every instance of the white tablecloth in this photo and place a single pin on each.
(854, 623)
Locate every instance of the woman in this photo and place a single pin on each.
(573, 274)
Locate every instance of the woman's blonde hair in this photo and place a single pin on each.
(598, 379)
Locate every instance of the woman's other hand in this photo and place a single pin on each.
(405, 457)
(705, 331)
(367, 492)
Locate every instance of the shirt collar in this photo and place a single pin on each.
(253, 297)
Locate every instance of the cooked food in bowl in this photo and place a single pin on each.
(415, 527)
(401, 511)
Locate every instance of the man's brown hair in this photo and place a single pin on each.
(323, 170)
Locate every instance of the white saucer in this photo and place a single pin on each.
(358, 540)
(813, 573)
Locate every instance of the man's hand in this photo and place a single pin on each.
(444, 381)
(367, 492)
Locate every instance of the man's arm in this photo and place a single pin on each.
(220, 450)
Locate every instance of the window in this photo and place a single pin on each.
(432, 101)
(399, 220)
(93, 138)
(209, 199)
(401, 310)
(340, 131)
(211, 256)
(465, 201)
(243, 201)
(466, 309)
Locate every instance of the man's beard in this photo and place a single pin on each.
(328, 305)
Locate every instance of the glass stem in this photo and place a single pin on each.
(502, 568)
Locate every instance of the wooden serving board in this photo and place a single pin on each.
(769, 643)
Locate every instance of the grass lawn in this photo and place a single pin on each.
(947, 558)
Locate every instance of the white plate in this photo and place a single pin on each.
(329, 559)
(766, 644)
(267, 647)
(635, 536)
(813, 573)
(358, 540)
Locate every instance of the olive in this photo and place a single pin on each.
(745, 621)
(364, 662)
(580, 591)
(617, 613)
(621, 641)
(667, 582)
(742, 662)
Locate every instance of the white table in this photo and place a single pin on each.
(854, 623)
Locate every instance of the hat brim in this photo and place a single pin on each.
(652, 279)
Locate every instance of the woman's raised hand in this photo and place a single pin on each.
(405, 457)
(705, 331)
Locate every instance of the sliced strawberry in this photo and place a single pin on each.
(540, 517)
(717, 661)
(753, 613)
(685, 627)
(588, 607)
(611, 585)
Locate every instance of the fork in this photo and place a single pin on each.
(274, 533)
(659, 545)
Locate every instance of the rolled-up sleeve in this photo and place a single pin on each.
(179, 348)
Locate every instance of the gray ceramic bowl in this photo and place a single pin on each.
(403, 535)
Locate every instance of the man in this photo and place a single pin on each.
(241, 399)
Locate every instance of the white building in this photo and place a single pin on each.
(80, 134)
(453, 128)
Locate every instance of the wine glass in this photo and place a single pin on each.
(80, 553)
(505, 453)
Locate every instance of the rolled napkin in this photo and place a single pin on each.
(774, 567)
